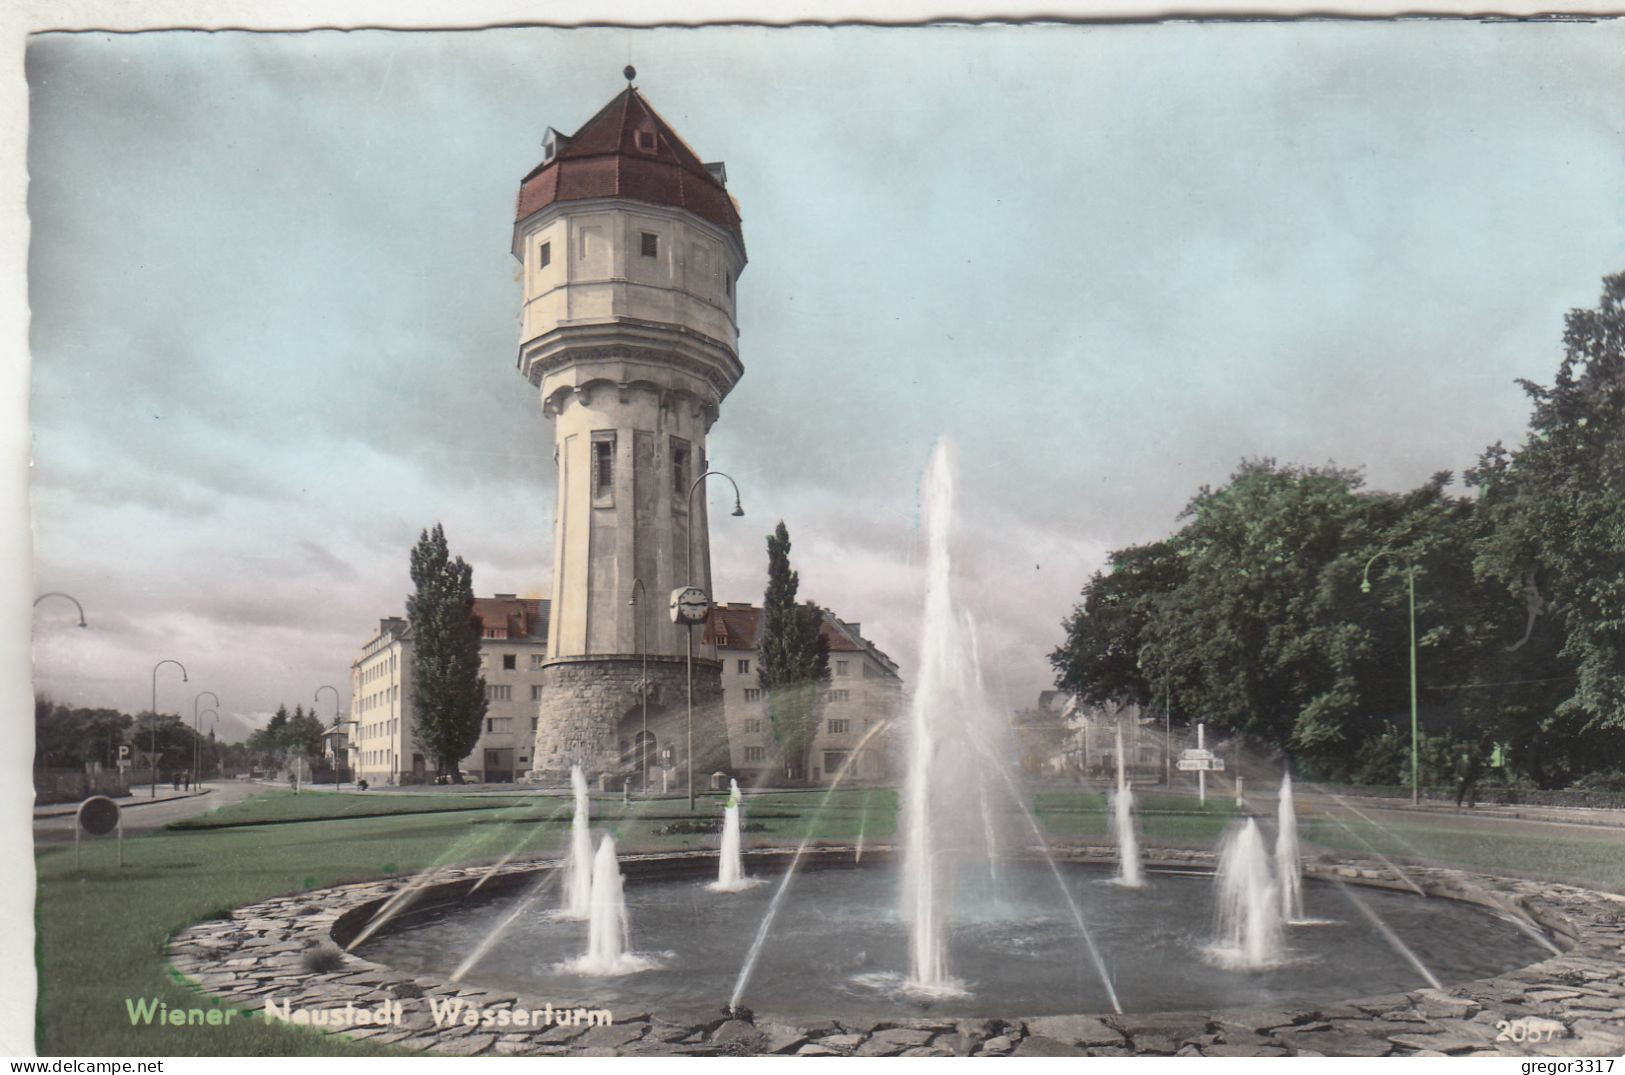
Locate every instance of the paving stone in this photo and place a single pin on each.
(841, 1041)
(814, 1049)
(1436, 1003)
(999, 1046)
(925, 1050)
(1260, 1048)
(1038, 1045)
(736, 1035)
(1078, 1029)
(1155, 1045)
(467, 1045)
(610, 1037)
(892, 1041)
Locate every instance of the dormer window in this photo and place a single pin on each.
(646, 141)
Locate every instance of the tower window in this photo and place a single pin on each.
(651, 245)
(679, 469)
(544, 255)
(646, 141)
(603, 466)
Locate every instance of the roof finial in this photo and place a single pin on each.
(630, 72)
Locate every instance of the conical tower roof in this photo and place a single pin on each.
(628, 151)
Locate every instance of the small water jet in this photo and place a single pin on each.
(578, 869)
(608, 936)
(1129, 874)
(1250, 926)
(731, 863)
(1288, 868)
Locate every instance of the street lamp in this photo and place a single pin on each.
(196, 735)
(206, 713)
(338, 762)
(737, 512)
(1410, 578)
(643, 690)
(69, 597)
(155, 668)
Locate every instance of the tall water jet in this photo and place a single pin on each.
(1249, 931)
(731, 863)
(608, 938)
(578, 869)
(1288, 868)
(1129, 874)
(940, 772)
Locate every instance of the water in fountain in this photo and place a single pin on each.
(608, 939)
(578, 869)
(947, 716)
(1250, 933)
(1288, 870)
(1129, 874)
(731, 863)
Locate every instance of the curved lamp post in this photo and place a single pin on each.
(643, 689)
(738, 511)
(155, 668)
(196, 735)
(216, 717)
(69, 597)
(1410, 578)
(338, 762)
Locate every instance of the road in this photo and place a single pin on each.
(145, 818)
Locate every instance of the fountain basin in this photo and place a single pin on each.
(838, 944)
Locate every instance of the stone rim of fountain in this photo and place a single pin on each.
(263, 950)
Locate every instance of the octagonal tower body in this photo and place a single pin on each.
(631, 248)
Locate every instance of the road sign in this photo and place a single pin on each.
(1209, 764)
(1197, 755)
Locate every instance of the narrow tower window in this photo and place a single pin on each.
(679, 470)
(603, 468)
(651, 245)
(544, 255)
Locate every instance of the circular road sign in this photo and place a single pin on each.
(98, 815)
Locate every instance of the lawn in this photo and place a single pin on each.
(101, 938)
(1160, 818)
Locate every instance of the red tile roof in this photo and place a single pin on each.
(604, 160)
(524, 617)
(739, 628)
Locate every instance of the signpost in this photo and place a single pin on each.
(98, 816)
(1202, 762)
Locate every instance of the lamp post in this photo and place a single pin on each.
(196, 735)
(338, 762)
(196, 765)
(69, 597)
(643, 688)
(689, 506)
(155, 668)
(1410, 578)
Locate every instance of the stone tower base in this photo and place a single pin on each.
(590, 714)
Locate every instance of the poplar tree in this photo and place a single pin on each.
(794, 663)
(448, 691)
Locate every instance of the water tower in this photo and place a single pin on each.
(631, 250)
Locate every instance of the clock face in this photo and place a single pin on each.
(689, 604)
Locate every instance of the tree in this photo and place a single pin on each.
(794, 665)
(448, 690)
(1555, 543)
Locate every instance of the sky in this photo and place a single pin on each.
(275, 315)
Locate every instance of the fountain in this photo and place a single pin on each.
(607, 933)
(1128, 845)
(731, 863)
(578, 869)
(1288, 870)
(1249, 933)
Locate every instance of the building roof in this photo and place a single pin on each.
(738, 627)
(522, 617)
(628, 151)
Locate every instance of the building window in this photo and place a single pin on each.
(535, 722)
(646, 141)
(510, 661)
(535, 692)
(840, 668)
(833, 761)
(498, 692)
(839, 727)
(837, 696)
(755, 754)
(753, 727)
(536, 659)
(650, 247)
(603, 467)
(744, 667)
(753, 694)
(544, 255)
(679, 471)
(728, 284)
